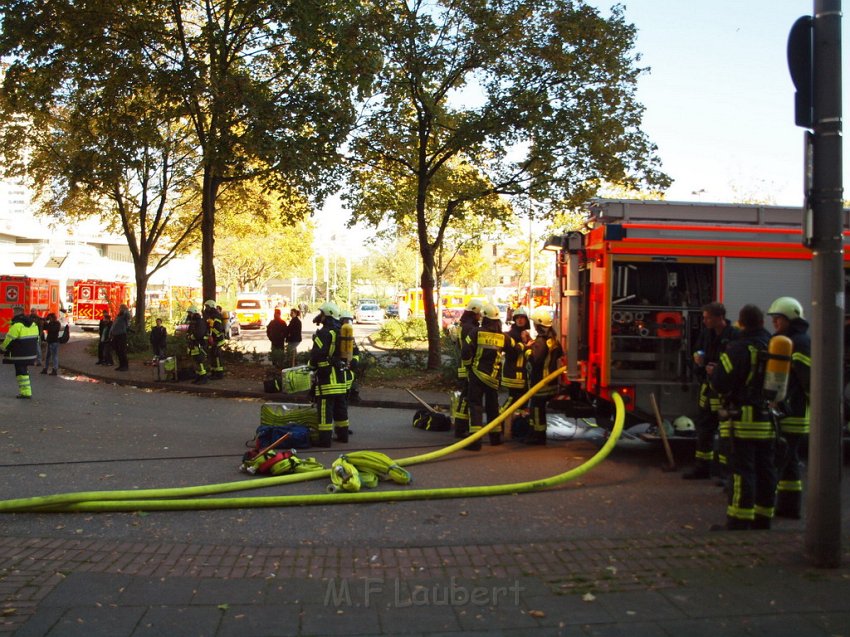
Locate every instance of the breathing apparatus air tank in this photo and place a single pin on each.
(778, 368)
(346, 342)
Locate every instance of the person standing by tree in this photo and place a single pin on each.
(159, 339)
(118, 334)
(19, 348)
(484, 347)
(293, 336)
(104, 345)
(277, 332)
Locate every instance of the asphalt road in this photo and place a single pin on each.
(77, 435)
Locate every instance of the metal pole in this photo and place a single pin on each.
(823, 519)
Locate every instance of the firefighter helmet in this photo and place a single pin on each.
(475, 305)
(786, 306)
(520, 311)
(346, 314)
(209, 303)
(192, 310)
(490, 311)
(328, 308)
(542, 316)
(684, 425)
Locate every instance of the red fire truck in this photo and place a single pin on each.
(631, 289)
(92, 298)
(41, 295)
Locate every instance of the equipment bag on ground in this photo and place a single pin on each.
(431, 420)
(165, 369)
(296, 379)
(299, 436)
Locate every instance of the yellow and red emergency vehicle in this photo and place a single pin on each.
(41, 295)
(631, 289)
(93, 297)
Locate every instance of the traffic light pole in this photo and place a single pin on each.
(823, 519)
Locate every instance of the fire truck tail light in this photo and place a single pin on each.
(600, 261)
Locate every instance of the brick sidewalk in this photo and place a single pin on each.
(80, 576)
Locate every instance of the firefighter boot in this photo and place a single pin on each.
(788, 504)
(201, 380)
(760, 523)
(341, 434)
(496, 436)
(324, 438)
(476, 413)
(24, 386)
(461, 425)
(700, 471)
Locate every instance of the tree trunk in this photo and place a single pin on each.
(141, 287)
(208, 234)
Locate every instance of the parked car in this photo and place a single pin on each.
(392, 310)
(368, 313)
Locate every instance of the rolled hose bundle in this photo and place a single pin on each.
(185, 498)
(380, 464)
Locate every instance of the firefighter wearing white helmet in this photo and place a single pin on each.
(332, 377)
(544, 357)
(788, 320)
(196, 342)
(215, 339)
(484, 347)
(514, 373)
(468, 322)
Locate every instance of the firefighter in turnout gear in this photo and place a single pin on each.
(333, 378)
(19, 348)
(788, 320)
(484, 347)
(468, 322)
(215, 339)
(544, 358)
(744, 417)
(717, 332)
(514, 372)
(196, 343)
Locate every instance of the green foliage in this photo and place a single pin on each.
(401, 335)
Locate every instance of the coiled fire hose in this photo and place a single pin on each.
(186, 498)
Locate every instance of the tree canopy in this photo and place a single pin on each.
(532, 98)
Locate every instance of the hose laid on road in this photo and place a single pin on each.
(177, 498)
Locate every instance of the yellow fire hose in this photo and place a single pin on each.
(176, 498)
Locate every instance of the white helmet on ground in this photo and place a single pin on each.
(684, 425)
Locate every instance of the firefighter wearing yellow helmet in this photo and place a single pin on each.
(788, 320)
(332, 376)
(514, 373)
(484, 347)
(468, 321)
(544, 357)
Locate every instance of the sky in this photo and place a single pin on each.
(719, 98)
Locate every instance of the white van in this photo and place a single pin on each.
(254, 310)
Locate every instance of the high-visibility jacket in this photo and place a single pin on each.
(514, 372)
(712, 345)
(543, 359)
(331, 374)
(739, 384)
(467, 323)
(484, 346)
(21, 342)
